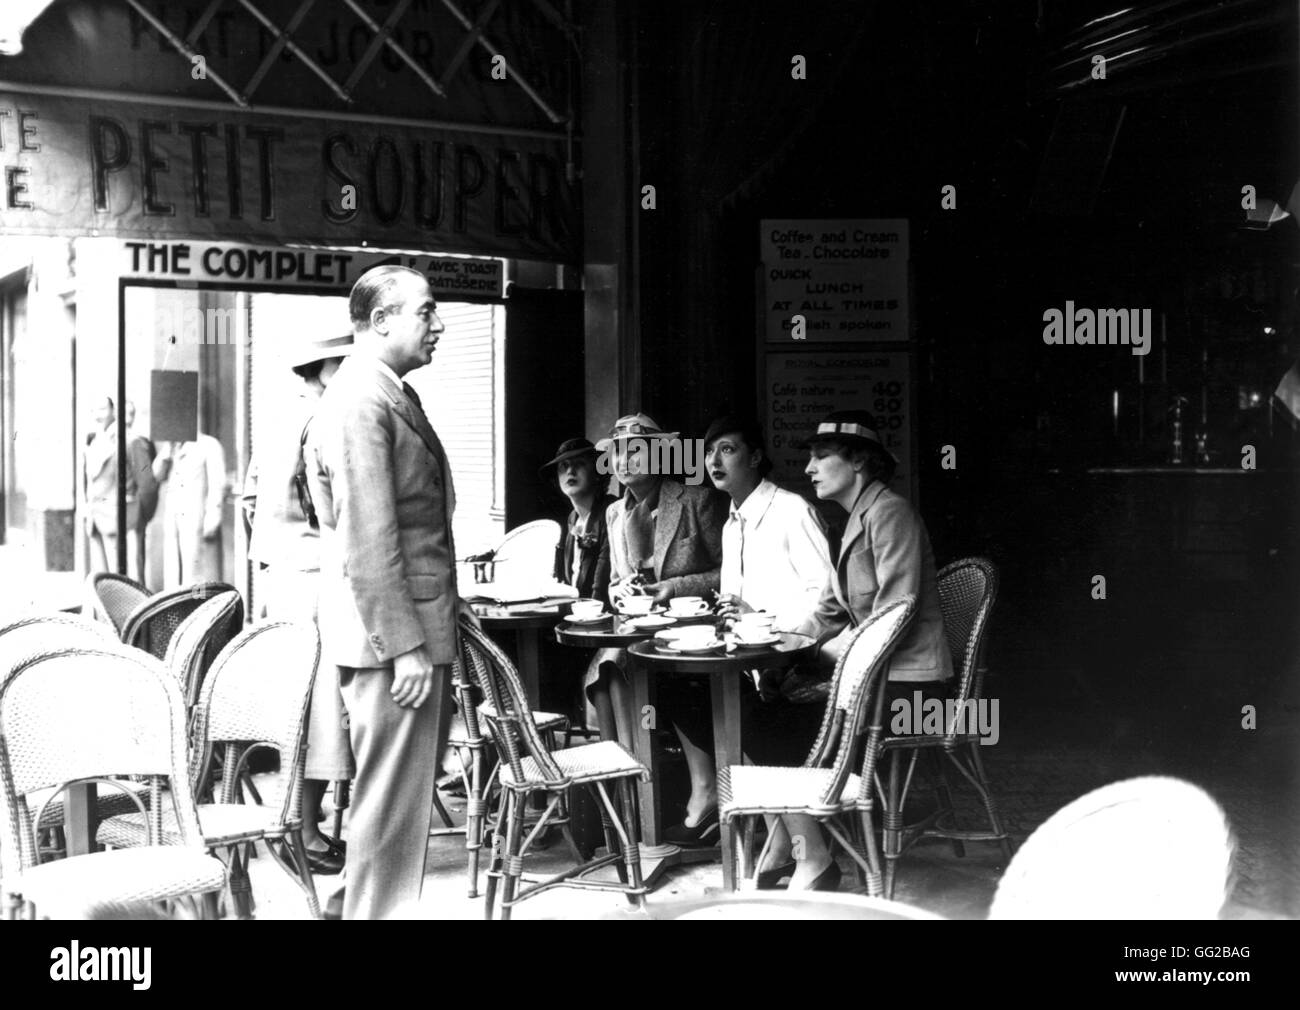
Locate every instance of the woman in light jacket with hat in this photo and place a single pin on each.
(284, 539)
(884, 556)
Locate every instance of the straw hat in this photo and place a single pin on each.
(634, 426)
(314, 348)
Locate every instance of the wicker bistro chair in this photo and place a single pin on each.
(115, 597)
(967, 591)
(479, 769)
(256, 695)
(527, 551)
(76, 715)
(151, 625)
(1145, 848)
(199, 639)
(527, 768)
(38, 633)
(747, 792)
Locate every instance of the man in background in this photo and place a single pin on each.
(99, 490)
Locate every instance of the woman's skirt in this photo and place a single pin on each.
(292, 596)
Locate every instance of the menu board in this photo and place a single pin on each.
(845, 278)
(803, 386)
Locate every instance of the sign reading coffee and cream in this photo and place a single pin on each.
(835, 280)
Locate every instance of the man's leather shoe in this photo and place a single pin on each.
(325, 863)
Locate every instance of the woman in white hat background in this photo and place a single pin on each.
(665, 540)
(284, 539)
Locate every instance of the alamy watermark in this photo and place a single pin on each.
(192, 325)
(676, 457)
(1128, 327)
(75, 963)
(921, 716)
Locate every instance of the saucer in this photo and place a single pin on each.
(687, 614)
(691, 650)
(769, 640)
(648, 622)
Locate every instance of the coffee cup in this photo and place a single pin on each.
(687, 606)
(586, 610)
(748, 632)
(636, 604)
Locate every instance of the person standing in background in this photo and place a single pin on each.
(284, 539)
(196, 491)
(140, 447)
(99, 489)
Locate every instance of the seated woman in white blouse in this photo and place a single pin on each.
(775, 559)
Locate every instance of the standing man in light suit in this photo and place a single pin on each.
(383, 494)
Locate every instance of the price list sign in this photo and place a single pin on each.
(804, 386)
(835, 280)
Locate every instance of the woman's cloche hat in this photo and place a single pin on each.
(853, 427)
(569, 449)
(634, 426)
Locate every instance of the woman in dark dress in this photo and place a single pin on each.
(583, 558)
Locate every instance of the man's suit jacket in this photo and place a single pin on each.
(593, 572)
(101, 480)
(383, 493)
(688, 538)
(885, 555)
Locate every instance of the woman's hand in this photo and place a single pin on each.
(622, 588)
(661, 591)
(732, 606)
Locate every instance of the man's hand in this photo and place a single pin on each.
(467, 612)
(412, 678)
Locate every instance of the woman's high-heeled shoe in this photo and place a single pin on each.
(703, 834)
(828, 879)
(769, 880)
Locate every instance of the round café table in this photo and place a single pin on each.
(647, 659)
(615, 631)
(526, 621)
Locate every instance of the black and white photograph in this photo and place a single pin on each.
(634, 461)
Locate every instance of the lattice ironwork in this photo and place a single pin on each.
(477, 33)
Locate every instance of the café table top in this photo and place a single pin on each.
(614, 631)
(519, 616)
(790, 650)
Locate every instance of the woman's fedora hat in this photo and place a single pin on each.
(852, 427)
(569, 449)
(313, 348)
(634, 426)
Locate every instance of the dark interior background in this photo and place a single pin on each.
(1123, 192)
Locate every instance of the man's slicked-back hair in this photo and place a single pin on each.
(371, 291)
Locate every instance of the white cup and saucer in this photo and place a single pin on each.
(755, 628)
(636, 606)
(586, 611)
(687, 606)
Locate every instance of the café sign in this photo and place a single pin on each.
(103, 168)
(232, 264)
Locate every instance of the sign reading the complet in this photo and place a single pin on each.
(239, 265)
(804, 386)
(835, 280)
